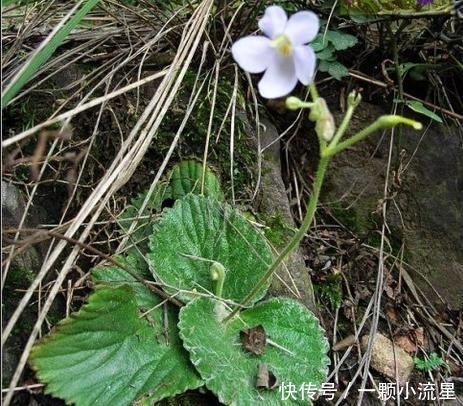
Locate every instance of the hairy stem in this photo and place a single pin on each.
(294, 243)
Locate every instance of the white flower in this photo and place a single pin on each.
(282, 53)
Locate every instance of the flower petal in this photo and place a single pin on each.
(302, 27)
(273, 22)
(279, 79)
(304, 63)
(253, 54)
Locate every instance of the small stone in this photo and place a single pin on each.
(386, 357)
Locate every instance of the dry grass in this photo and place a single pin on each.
(132, 37)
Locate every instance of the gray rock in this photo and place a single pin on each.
(293, 278)
(20, 274)
(425, 202)
(389, 359)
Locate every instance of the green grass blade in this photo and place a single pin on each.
(6, 3)
(46, 48)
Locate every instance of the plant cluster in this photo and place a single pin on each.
(182, 308)
(430, 363)
(327, 45)
(129, 345)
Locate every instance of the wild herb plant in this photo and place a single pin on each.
(430, 363)
(134, 343)
(128, 344)
(399, 16)
(326, 45)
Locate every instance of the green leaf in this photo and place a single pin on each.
(419, 108)
(112, 275)
(187, 177)
(114, 352)
(337, 70)
(326, 54)
(405, 67)
(341, 40)
(198, 231)
(323, 65)
(334, 68)
(296, 353)
(184, 178)
(318, 43)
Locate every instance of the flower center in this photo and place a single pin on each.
(282, 44)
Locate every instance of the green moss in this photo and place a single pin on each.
(193, 140)
(430, 363)
(21, 274)
(277, 231)
(357, 219)
(330, 290)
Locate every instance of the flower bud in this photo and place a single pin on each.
(326, 128)
(354, 98)
(293, 103)
(389, 121)
(324, 121)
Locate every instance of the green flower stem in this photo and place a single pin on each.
(313, 91)
(294, 243)
(387, 121)
(343, 126)
(326, 153)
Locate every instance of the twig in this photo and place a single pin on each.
(106, 257)
(360, 76)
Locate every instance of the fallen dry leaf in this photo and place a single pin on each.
(265, 378)
(254, 339)
(412, 340)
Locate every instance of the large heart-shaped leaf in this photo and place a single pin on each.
(198, 231)
(185, 177)
(119, 348)
(295, 352)
(191, 177)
